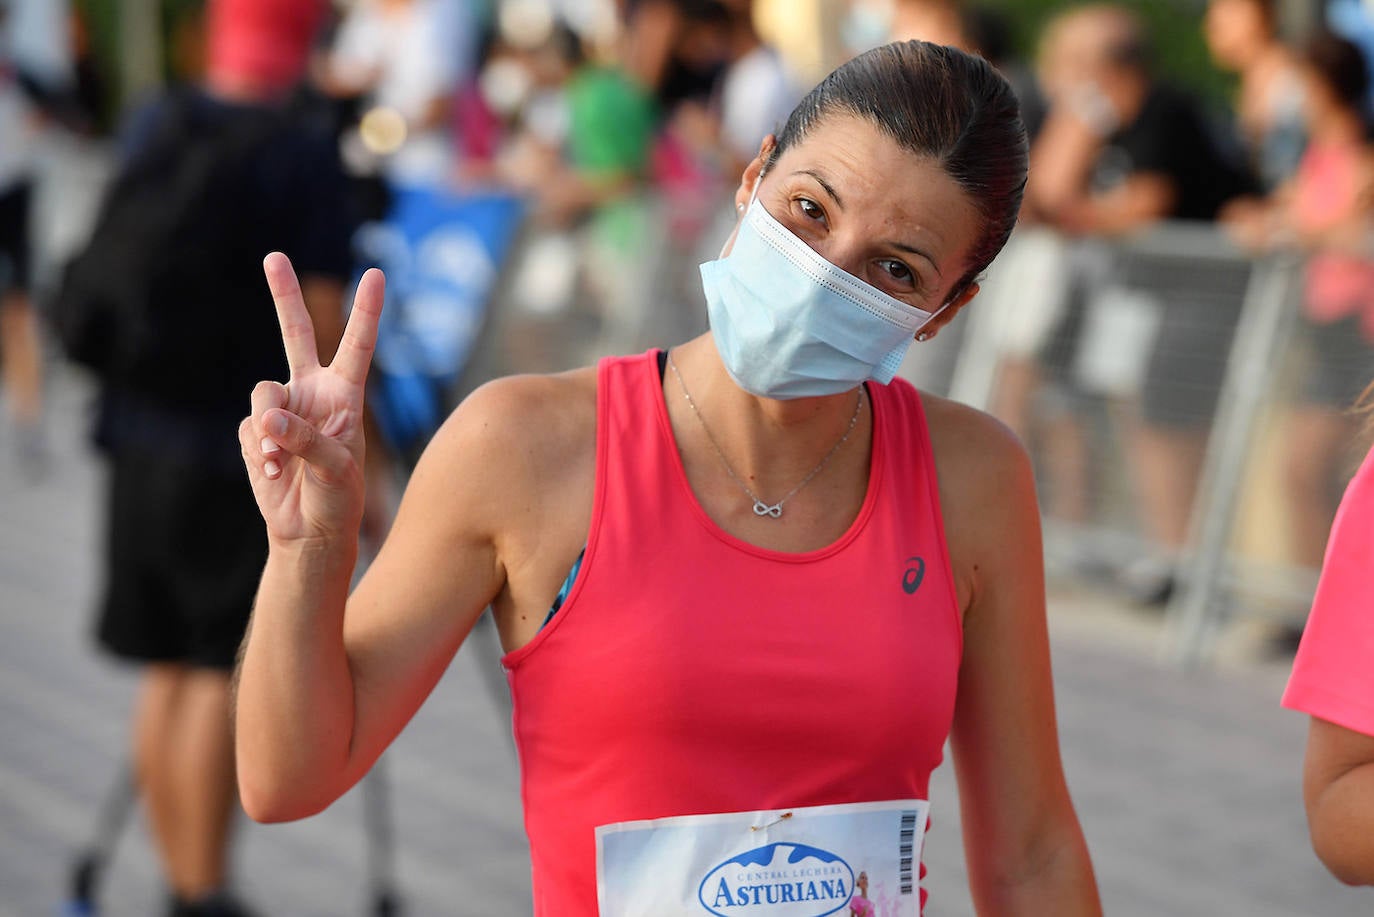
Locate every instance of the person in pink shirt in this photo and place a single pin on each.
(859, 905)
(1333, 681)
(1324, 210)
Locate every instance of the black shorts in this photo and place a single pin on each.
(14, 237)
(1188, 363)
(185, 551)
(1341, 363)
(1201, 299)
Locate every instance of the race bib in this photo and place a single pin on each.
(861, 860)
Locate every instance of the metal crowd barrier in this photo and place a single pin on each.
(1235, 320)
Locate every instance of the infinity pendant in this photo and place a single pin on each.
(763, 509)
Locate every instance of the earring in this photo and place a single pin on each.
(739, 206)
(923, 336)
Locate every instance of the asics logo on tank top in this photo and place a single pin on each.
(915, 574)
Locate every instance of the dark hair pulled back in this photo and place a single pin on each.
(1340, 64)
(941, 103)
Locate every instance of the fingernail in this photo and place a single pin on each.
(271, 469)
(269, 447)
(276, 425)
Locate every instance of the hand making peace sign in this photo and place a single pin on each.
(303, 442)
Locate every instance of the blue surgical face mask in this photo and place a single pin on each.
(789, 324)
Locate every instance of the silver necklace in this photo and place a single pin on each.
(771, 510)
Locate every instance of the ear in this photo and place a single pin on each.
(753, 171)
(946, 315)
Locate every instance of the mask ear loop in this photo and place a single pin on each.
(922, 335)
(742, 210)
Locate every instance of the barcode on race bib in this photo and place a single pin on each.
(906, 852)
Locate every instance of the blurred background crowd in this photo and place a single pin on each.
(1178, 330)
(541, 178)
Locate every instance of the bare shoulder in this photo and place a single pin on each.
(514, 447)
(500, 500)
(987, 499)
(527, 410)
(975, 453)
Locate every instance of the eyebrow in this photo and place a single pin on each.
(823, 183)
(917, 251)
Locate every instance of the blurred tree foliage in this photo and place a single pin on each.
(179, 22)
(101, 19)
(1175, 29)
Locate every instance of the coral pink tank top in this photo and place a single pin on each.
(690, 673)
(1328, 193)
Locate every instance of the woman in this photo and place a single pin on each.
(743, 515)
(1325, 209)
(1243, 38)
(1333, 681)
(859, 905)
(1327, 206)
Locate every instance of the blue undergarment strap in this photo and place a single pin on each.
(565, 589)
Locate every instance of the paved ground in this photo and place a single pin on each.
(1187, 784)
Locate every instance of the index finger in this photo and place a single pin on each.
(354, 355)
(297, 330)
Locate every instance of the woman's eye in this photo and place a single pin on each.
(810, 209)
(898, 271)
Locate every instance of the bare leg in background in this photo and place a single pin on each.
(184, 756)
(1054, 435)
(21, 358)
(1318, 439)
(1168, 465)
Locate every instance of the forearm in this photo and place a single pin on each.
(1341, 819)
(1061, 163)
(570, 194)
(1057, 882)
(1105, 217)
(294, 699)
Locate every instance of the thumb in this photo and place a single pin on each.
(327, 457)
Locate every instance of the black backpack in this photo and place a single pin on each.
(159, 295)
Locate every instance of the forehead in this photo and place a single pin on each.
(885, 188)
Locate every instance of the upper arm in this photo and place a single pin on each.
(1017, 813)
(1005, 709)
(439, 567)
(1062, 158)
(1338, 790)
(1332, 752)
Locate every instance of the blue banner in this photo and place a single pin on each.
(442, 252)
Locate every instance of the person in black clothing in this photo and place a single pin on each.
(185, 545)
(676, 49)
(1119, 151)
(1128, 149)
